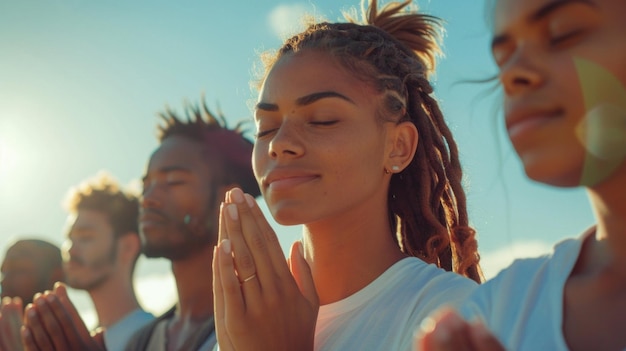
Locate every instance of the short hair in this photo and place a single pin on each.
(102, 193)
(227, 146)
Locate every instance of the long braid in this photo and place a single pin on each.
(395, 51)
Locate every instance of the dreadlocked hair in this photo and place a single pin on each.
(228, 146)
(394, 51)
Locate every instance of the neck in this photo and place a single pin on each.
(608, 203)
(195, 285)
(114, 299)
(350, 251)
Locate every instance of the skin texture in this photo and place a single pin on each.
(562, 69)
(318, 133)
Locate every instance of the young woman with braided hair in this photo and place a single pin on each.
(351, 144)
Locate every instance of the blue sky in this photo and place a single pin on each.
(81, 83)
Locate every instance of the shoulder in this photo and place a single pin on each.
(525, 282)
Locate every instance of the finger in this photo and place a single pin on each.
(55, 331)
(71, 316)
(482, 339)
(255, 241)
(444, 331)
(302, 274)
(244, 261)
(36, 330)
(222, 231)
(233, 300)
(98, 337)
(218, 304)
(27, 339)
(273, 244)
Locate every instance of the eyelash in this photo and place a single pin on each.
(261, 134)
(564, 37)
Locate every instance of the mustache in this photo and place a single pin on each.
(76, 260)
(155, 213)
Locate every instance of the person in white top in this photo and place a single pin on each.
(350, 143)
(562, 67)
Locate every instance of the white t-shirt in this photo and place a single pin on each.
(523, 304)
(385, 314)
(116, 336)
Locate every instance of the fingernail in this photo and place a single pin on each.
(249, 200)
(225, 245)
(237, 195)
(232, 212)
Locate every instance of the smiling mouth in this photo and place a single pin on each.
(290, 182)
(531, 122)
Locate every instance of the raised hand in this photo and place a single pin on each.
(262, 302)
(10, 324)
(52, 323)
(447, 331)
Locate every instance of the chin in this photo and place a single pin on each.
(286, 215)
(556, 179)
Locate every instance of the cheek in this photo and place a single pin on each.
(259, 158)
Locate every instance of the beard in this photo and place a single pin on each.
(99, 267)
(179, 239)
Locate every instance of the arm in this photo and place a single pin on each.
(261, 301)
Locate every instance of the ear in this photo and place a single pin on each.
(403, 143)
(129, 246)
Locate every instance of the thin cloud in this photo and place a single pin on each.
(286, 19)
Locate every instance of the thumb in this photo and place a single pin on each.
(302, 273)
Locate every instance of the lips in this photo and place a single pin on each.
(151, 218)
(521, 120)
(283, 179)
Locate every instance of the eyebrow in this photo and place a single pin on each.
(306, 100)
(540, 14)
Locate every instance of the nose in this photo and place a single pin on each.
(149, 197)
(522, 72)
(286, 142)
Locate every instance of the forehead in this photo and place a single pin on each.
(509, 12)
(22, 252)
(298, 74)
(90, 219)
(178, 152)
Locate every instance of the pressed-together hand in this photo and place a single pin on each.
(10, 324)
(447, 331)
(52, 323)
(262, 302)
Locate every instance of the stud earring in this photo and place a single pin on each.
(395, 169)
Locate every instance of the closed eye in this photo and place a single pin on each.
(324, 123)
(565, 37)
(263, 133)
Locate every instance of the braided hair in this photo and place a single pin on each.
(394, 51)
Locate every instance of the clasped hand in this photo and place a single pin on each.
(262, 302)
